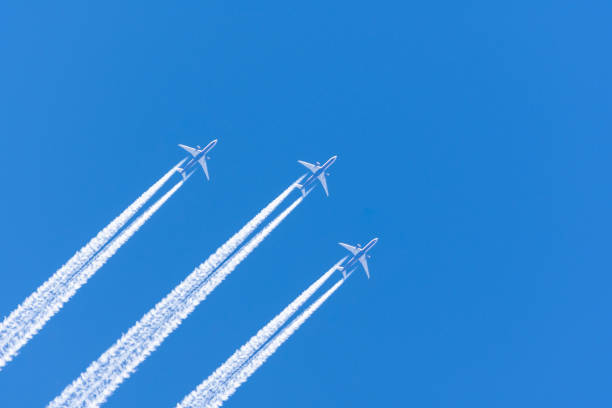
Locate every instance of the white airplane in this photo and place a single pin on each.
(198, 157)
(318, 173)
(359, 255)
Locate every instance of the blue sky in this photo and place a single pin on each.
(473, 139)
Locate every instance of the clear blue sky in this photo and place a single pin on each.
(473, 139)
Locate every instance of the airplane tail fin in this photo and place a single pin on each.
(302, 189)
(343, 270)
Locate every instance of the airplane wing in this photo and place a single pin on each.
(324, 183)
(190, 150)
(311, 167)
(353, 250)
(202, 162)
(364, 263)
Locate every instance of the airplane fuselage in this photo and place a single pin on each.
(312, 177)
(193, 161)
(354, 260)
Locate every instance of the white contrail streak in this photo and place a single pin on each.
(30, 316)
(104, 375)
(82, 276)
(235, 381)
(213, 384)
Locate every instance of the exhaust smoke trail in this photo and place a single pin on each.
(115, 365)
(70, 287)
(213, 384)
(227, 390)
(25, 321)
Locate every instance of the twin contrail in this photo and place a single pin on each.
(31, 315)
(104, 375)
(225, 390)
(214, 383)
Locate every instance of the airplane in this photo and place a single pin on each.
(318, 172)
(199, 156)
(359, 255)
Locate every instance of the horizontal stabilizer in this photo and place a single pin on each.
(302, 189)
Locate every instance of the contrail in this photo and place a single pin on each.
(30, 316)
(68, 290)
(104, 375)
(213, 384)
(227, 390)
